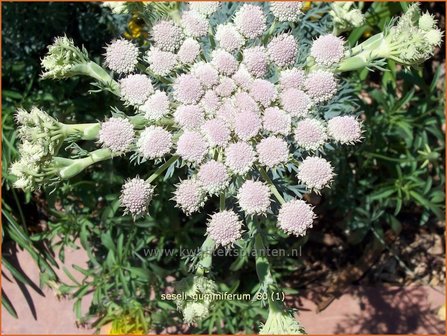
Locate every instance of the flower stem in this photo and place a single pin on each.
(162, 168)
(267, 179)
(206, 258)
(74, 167)
(222, 201)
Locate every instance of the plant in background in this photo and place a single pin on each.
(243, 102)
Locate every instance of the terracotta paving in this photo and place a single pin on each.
(382, 310)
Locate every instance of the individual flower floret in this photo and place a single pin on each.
(272, 151)
(224, 62)
(167, 36)
(427, 22)
(188, 89)
(250, 21)
(228, 37)
(117, 134)
(121, 56)
(243, 78)
(136, 196)
(189, 116)
(136, 89)
(205, 8)
(320, 85)
(315, 172)
(189, 51)
(189, 196)
(227, 112)
(156, 107)
(242, 101)
(256, 61)
(247, 124)
(226, 87)
(216, 132)
(194, 24)
(210, 102)
(310, 134)
(239, 157)
(286, 10)
(161, 62)
(295, 102)
(282, 50)
(254, 197)
(295, 217)
(224, 228)
(206, 73)
(276, 121)
(346, 129)
(263, 91)
(213, 177)
(291, 78)
(192, 147)
(154, 142)
(327, 49)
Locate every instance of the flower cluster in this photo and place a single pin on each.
(235, 103)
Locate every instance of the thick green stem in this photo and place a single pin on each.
(206, 258)
(93, 70)
(162, 168)
(87, 131)
(74, 167)
(267, 179)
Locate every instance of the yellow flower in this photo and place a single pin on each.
(306, 6)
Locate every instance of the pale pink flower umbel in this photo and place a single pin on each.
(228, 37)
(346, 129)
(250, 21)
(189, 116)
(224, 228)
(295, 217)
(210, 102)
(321, 85)
(194, 24)
(224, 62)
(286, 10)
(189, 196)
(136, 196)
(206, 73)
(216, 132)
(226, 87)
(296, 102)
(263, 91)
(189, 51)
(276, 121)
(116, 134)
(213, 177)
(256, 61)
(291, 78)
(239, 157)
(254, 197)
(136, 89)
(310, 134)
(192, 147)
(315, 172)
(154, 142)
(167, 35)
(327, 49)
(282, 50)
(272, 151)
(206, 8)
(247, 125)
(121, 56)
(188, 89)
(156, 107)
(161, 62)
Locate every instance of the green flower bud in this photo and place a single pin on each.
(427, 22)
(281, 323)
